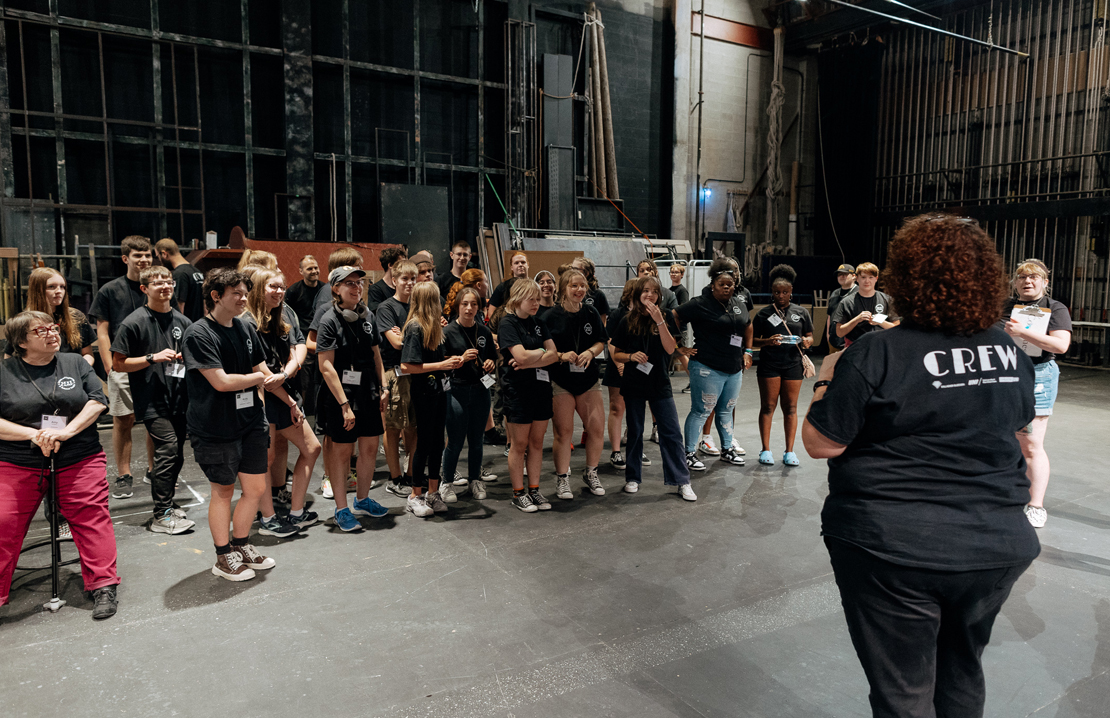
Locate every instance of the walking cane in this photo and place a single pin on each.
(55, 603)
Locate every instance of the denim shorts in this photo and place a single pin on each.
(1044, 390)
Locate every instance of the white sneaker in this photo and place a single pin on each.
(687, 492)
(171, 523)
(1037, 516)
(631, 487)
(706, 446)
(737, 448)
(447, 492)
(459, 481)
(478, 490)
(418, 507)
(325, 488)
(562, 486)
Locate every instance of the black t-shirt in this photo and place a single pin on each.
(596, 298)
(353, 344)
(323, 296)
(854, 303)
(445, 281)
(413, 351)
(64, 386)
(834, 301)
(155, 393)
(933, 476)
(115, 301)
(84, 328)
(1060, 319)
(543, 311)
(634, 382)
(681, 294)
(278, 347)
(391, 313)
(530, 333)
(189, 288)
(237, 349)
(457, 339)
(378, 292)
(745, 297)
(302, 299)
(317, 315)
(714, 326)
(499, 296)
(575, 332)
(767, 323)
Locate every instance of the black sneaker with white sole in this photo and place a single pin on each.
(524, 503)
(123, 488)
(693, 462)
(616, 460)
(731, 456)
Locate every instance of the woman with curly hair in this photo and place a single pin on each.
(782, 332)
(924, 519)
(472, 278)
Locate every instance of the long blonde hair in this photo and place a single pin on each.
(267, 319)
(68, 319)
(424, 312)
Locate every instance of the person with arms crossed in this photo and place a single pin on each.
(147, 347)
(225, 369)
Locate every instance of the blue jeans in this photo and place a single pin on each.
(675, 471)
(711, 390)
(467, 411)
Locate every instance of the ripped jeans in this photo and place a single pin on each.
(711, 390)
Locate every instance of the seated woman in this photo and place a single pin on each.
(924, 520)
(49, 402)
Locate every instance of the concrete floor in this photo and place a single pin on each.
(619, 605)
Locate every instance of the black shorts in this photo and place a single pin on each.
(792, 372)
(223, 461)
(523, 406)
(278, 413)
(329, 419)
(612, 376)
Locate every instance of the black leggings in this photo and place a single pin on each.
(430, 406)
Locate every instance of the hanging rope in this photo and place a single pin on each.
(774, 134)
(334, 192)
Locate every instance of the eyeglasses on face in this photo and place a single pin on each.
(163, 283)
(1024, 277)
(46, 330)
(352, 283)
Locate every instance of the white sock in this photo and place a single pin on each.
(268, 518)
(297, 514)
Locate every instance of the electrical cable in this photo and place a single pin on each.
(825, 181)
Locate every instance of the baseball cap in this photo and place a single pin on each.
(845, 269)
(338, 274)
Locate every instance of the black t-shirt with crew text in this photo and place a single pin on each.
(212, 415)
(715, 324)
(634, 383)
(62, 387)
(457, 339)
(391, 313)
(189, 289)
(575, 332)
(115, 301)
(155, 393)
(529, 333)
(1059, 319)
(794, 320)
(933, 476)
(854, 303)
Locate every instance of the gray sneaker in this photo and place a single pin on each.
(418, 507)
(478, 490)
(398, 489)
(170, 523)
(447, 492)
(435, 501)
(123, 488)
(562, 486)
(590, 477)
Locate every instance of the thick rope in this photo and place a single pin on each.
(774, 135)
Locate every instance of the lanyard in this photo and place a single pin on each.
(52, 399)
(170, 342)
(473, 344)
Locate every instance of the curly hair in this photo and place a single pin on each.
(469, 278)
(783, 273)
(944, 274)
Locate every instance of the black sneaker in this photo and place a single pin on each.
(279, 526)
(524, 503)
(283, 496)
(693, 462)
(104, 603)
(123, 490)
(644, 460)
(732, 457)
(686, 390)
(538, 500)
(616, 460)
(306, 519)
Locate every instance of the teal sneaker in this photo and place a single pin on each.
(346, 521)
(369, 507)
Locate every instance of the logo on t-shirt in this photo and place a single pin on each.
(878, 308)
(482, 342)
(66, 383)
(589, 329)
(736, 310)
(588, 300)
(250, 347)
(176, 333)
(198, 277)
(539, 333)
(795, 318)
(368, 327)
(953, 367)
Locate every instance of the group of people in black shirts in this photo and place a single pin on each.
(235, 359)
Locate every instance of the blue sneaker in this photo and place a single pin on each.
(790, 459)
(369, 507)
(346, 521)
(767, 458)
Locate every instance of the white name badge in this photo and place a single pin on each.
(175, 369)
(645, 367)
(446, 384)
(738, 341)
(878, 318)
(397, 371)
(575, 369)
(52, 421)
(774, 320)
(244, 400)
(487, 380)
(542, 375)
(352, 377)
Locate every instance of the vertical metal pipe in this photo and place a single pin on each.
(416, 90)
(701, 105)
(348, 198)
(177, 142)
(104, 129)
(59, 141)
(200, 143)
(248, 117)
(481, 126)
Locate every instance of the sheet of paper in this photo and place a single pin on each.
(1035, 319)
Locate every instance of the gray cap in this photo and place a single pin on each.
(338, 274)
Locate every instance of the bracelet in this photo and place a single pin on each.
(818, 384)
(344, 404)
(749, 352)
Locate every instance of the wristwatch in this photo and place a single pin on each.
(818, 384)
(150, 359)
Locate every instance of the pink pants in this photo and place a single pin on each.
(83, 500)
